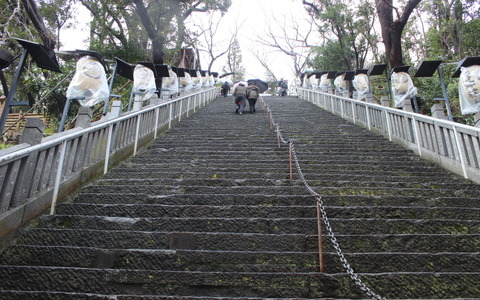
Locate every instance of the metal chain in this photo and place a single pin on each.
(328, 226)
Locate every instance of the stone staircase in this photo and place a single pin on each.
(209, 212)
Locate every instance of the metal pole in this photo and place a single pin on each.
(445, 94)
(291, 158)
(320, 245)
(13, 89)
(110, 88)
(64, 115)
(278, 136)
(58, 177)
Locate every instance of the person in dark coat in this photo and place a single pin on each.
(225, 89)
(240, 93)
(253, 92)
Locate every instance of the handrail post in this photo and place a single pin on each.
(137, 133)
(157, 113)
(368, 117)
(170, 115)
(107, 150)
(460, 152)
(58, 176)
(417, 136)
(389, 128)
(180, 111)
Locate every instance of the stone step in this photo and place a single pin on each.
(274, 200)
(121, 239)
(214, 181)
(156, 190)
(255, 211)
(264, 225)
(36, 295)
(243, 284)
(108, 281)
(137, 170)
(235, 261)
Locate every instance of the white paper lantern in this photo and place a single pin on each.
(469, 89)
(144, 81)
(89, 84)
(402, 87)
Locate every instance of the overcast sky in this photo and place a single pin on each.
(251, 16)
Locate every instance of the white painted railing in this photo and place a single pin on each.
(33, 177)
(454, 146)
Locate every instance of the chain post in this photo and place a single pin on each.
(290, 146)
(320, 245)
(322, 216)
(278, 136)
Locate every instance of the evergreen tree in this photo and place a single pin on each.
(234, 62)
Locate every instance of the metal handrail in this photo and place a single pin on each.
(452, 145)
(34, 177)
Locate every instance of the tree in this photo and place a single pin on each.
(347, 27)
(158, 19)
(234, 62)
(290, 37)
(57, 14)
(212, 43)
(22, 18)
(453, 31)
(392, 29)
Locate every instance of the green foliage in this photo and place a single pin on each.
(330, 57)
(347, 30)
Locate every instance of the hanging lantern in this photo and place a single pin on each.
(325, 82)
(89, 84)
(361, 84)
(469, 89)
(144, 81)
(402, 87)
(170, 84)
(340, 83)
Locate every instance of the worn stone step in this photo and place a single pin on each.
(433, 243)
(178, 189)
(128, 239)
(274, 200)
(256, 211)
(244, 284)
(138, 171)
(236, 261)
(108, 281)
(277, 190)
(264, 225)
(39, 295)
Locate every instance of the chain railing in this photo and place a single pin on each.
(321, 213)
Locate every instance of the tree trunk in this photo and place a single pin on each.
(157, 41)
(392, 30)
(37, 20)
